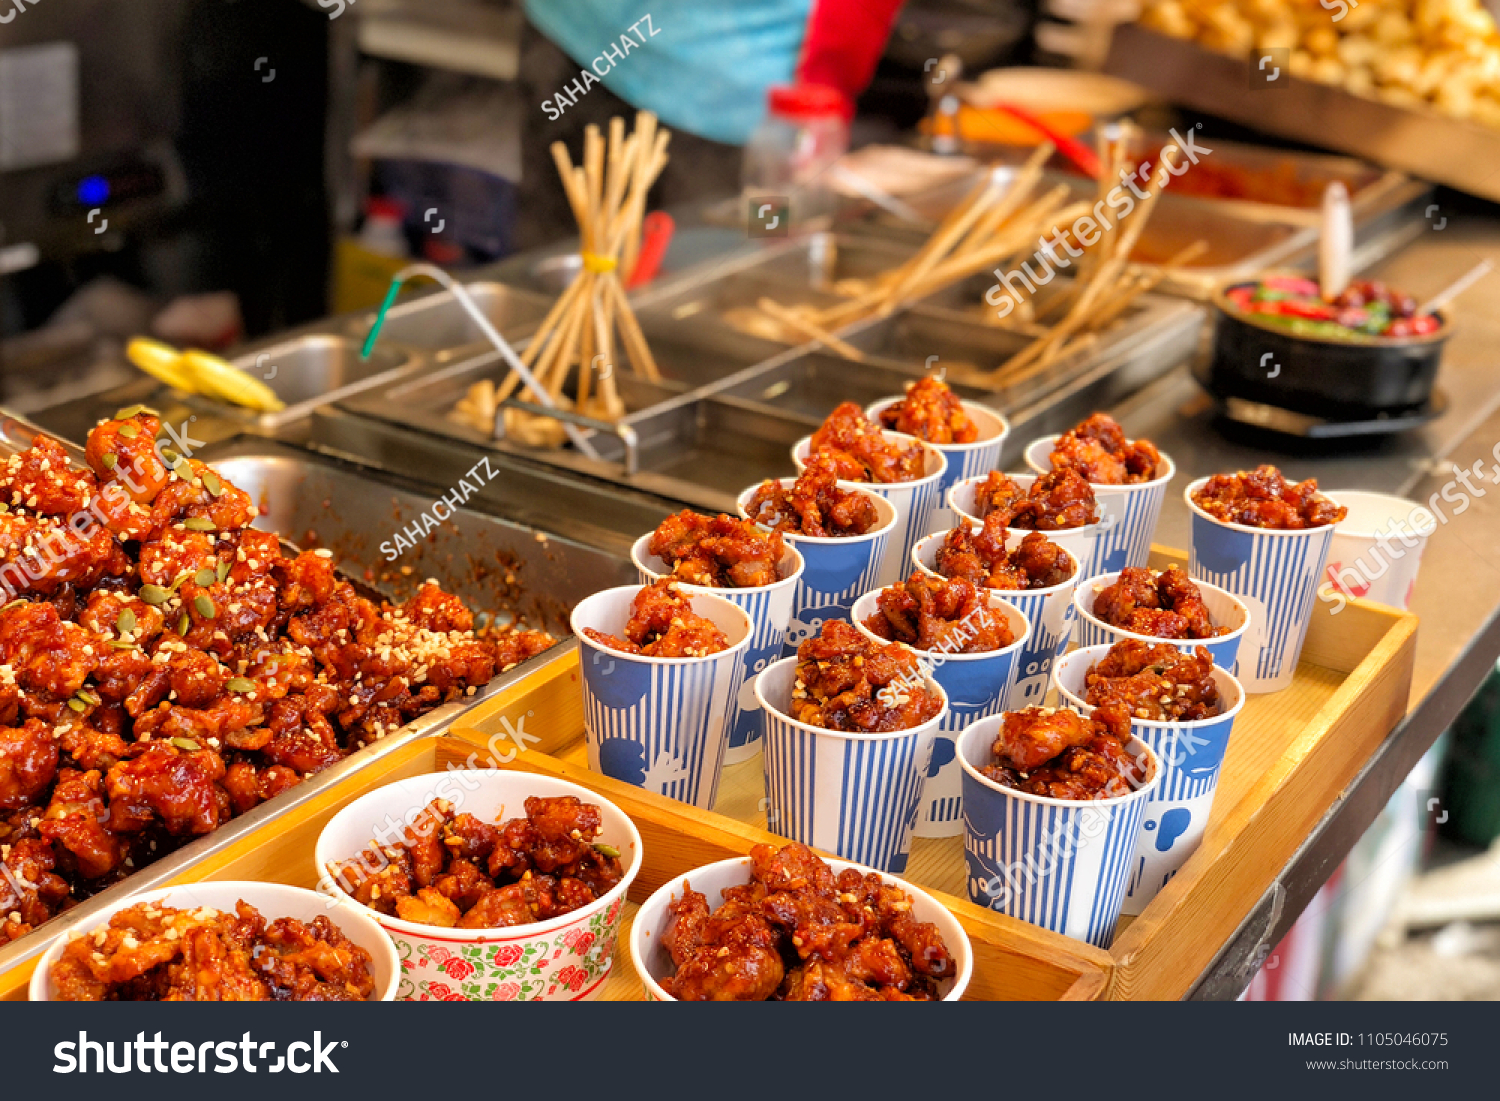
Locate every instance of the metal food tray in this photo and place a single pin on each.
(494, 565)
(1243, 237)
(1425, 143)
(731, 406)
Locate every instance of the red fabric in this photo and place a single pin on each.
(845, 39)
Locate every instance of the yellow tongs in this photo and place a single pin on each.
(195, 372)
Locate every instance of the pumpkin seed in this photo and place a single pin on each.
(13, 603)
(212, 484)
(177, 581)
(126, 623)
(607, 850)
(205, 577)
(187, 744)
(154, 594)
(198, 523)
(129, 431)
(77, 705)
(122, 644)
(88, 697)
(223, 571)
(183, 624)
(169, 456)
(205, 606)
(241, 684)
(128, 412)
(110, 460)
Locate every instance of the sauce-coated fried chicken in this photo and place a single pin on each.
(1163, 605)
(1061, 754)
(662, 624)
(455, 871)
(155, 953)
(1099, 451)
(1055, 501)
(1263, 498)
(858, 451)
(844, 681)
(798, 932)
(980, 557)
(930, 411)
(1154, 681)
(814, 505)
(164, 667)
(934, 613)
(719, 552)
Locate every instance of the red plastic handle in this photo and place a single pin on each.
(656, 234)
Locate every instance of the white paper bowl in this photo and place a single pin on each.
(273, 900)
(652, 962)
(575, 951)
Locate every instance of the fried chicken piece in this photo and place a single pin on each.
(1092, 763)
(930, 411)
(28, 763)
(662, 624)
(1263, 498)
(75, 819)
(30, 890)
(1057, 501)
(379, 877)
(686, 917)
(428, 907)
(1164, 605)
(717, 552)
(160, 782)
(1155, 681)
(844, 681)
(934, 613)
(858, 451)
(997, 493)
(814, 505)
(124, 452)
(1098, 450)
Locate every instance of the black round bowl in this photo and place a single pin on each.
(1338, 379)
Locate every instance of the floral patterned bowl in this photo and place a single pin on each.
(651, 961)
(567, 958)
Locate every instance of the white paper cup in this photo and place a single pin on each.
(836, 570)
(1191, 754)
(977, 685)
(915, 502)
(1224, 609)
(1079, 542)
(853, 795)
(1049, 611)
(653, 962)
(965, 460)
(1128, 513)
(563, 959)
(770, 610)
(1275, 573)
(273, 900)
(1057, 863)
(660, 723)
(1377, 549)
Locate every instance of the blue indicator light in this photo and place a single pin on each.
(93, 190)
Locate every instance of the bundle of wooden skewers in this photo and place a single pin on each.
(1000, 224)
(591, 320)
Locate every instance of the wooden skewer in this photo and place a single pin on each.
(810, 328)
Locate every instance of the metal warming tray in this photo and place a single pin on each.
(1425, 143)
(496, 565)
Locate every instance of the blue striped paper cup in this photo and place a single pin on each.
(977, 685)
(836, 571)
(1224, 608)
(770, 610)
(1275, 574)
(660, 723)
(915, 503)
(965, 460)
(1128, 514)
(1049, 611)
(1057, 863)
(653, 962)
(854, 795)
(1079, 542)
(1191, 755)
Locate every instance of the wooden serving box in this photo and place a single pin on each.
(1012, 960)
(1291, 755)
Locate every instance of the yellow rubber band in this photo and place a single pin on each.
(599, 265)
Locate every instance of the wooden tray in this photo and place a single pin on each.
(1291, 755)
(1012, 960)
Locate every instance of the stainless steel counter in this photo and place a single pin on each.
(1458, 592)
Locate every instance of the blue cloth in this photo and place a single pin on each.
(704, 66)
